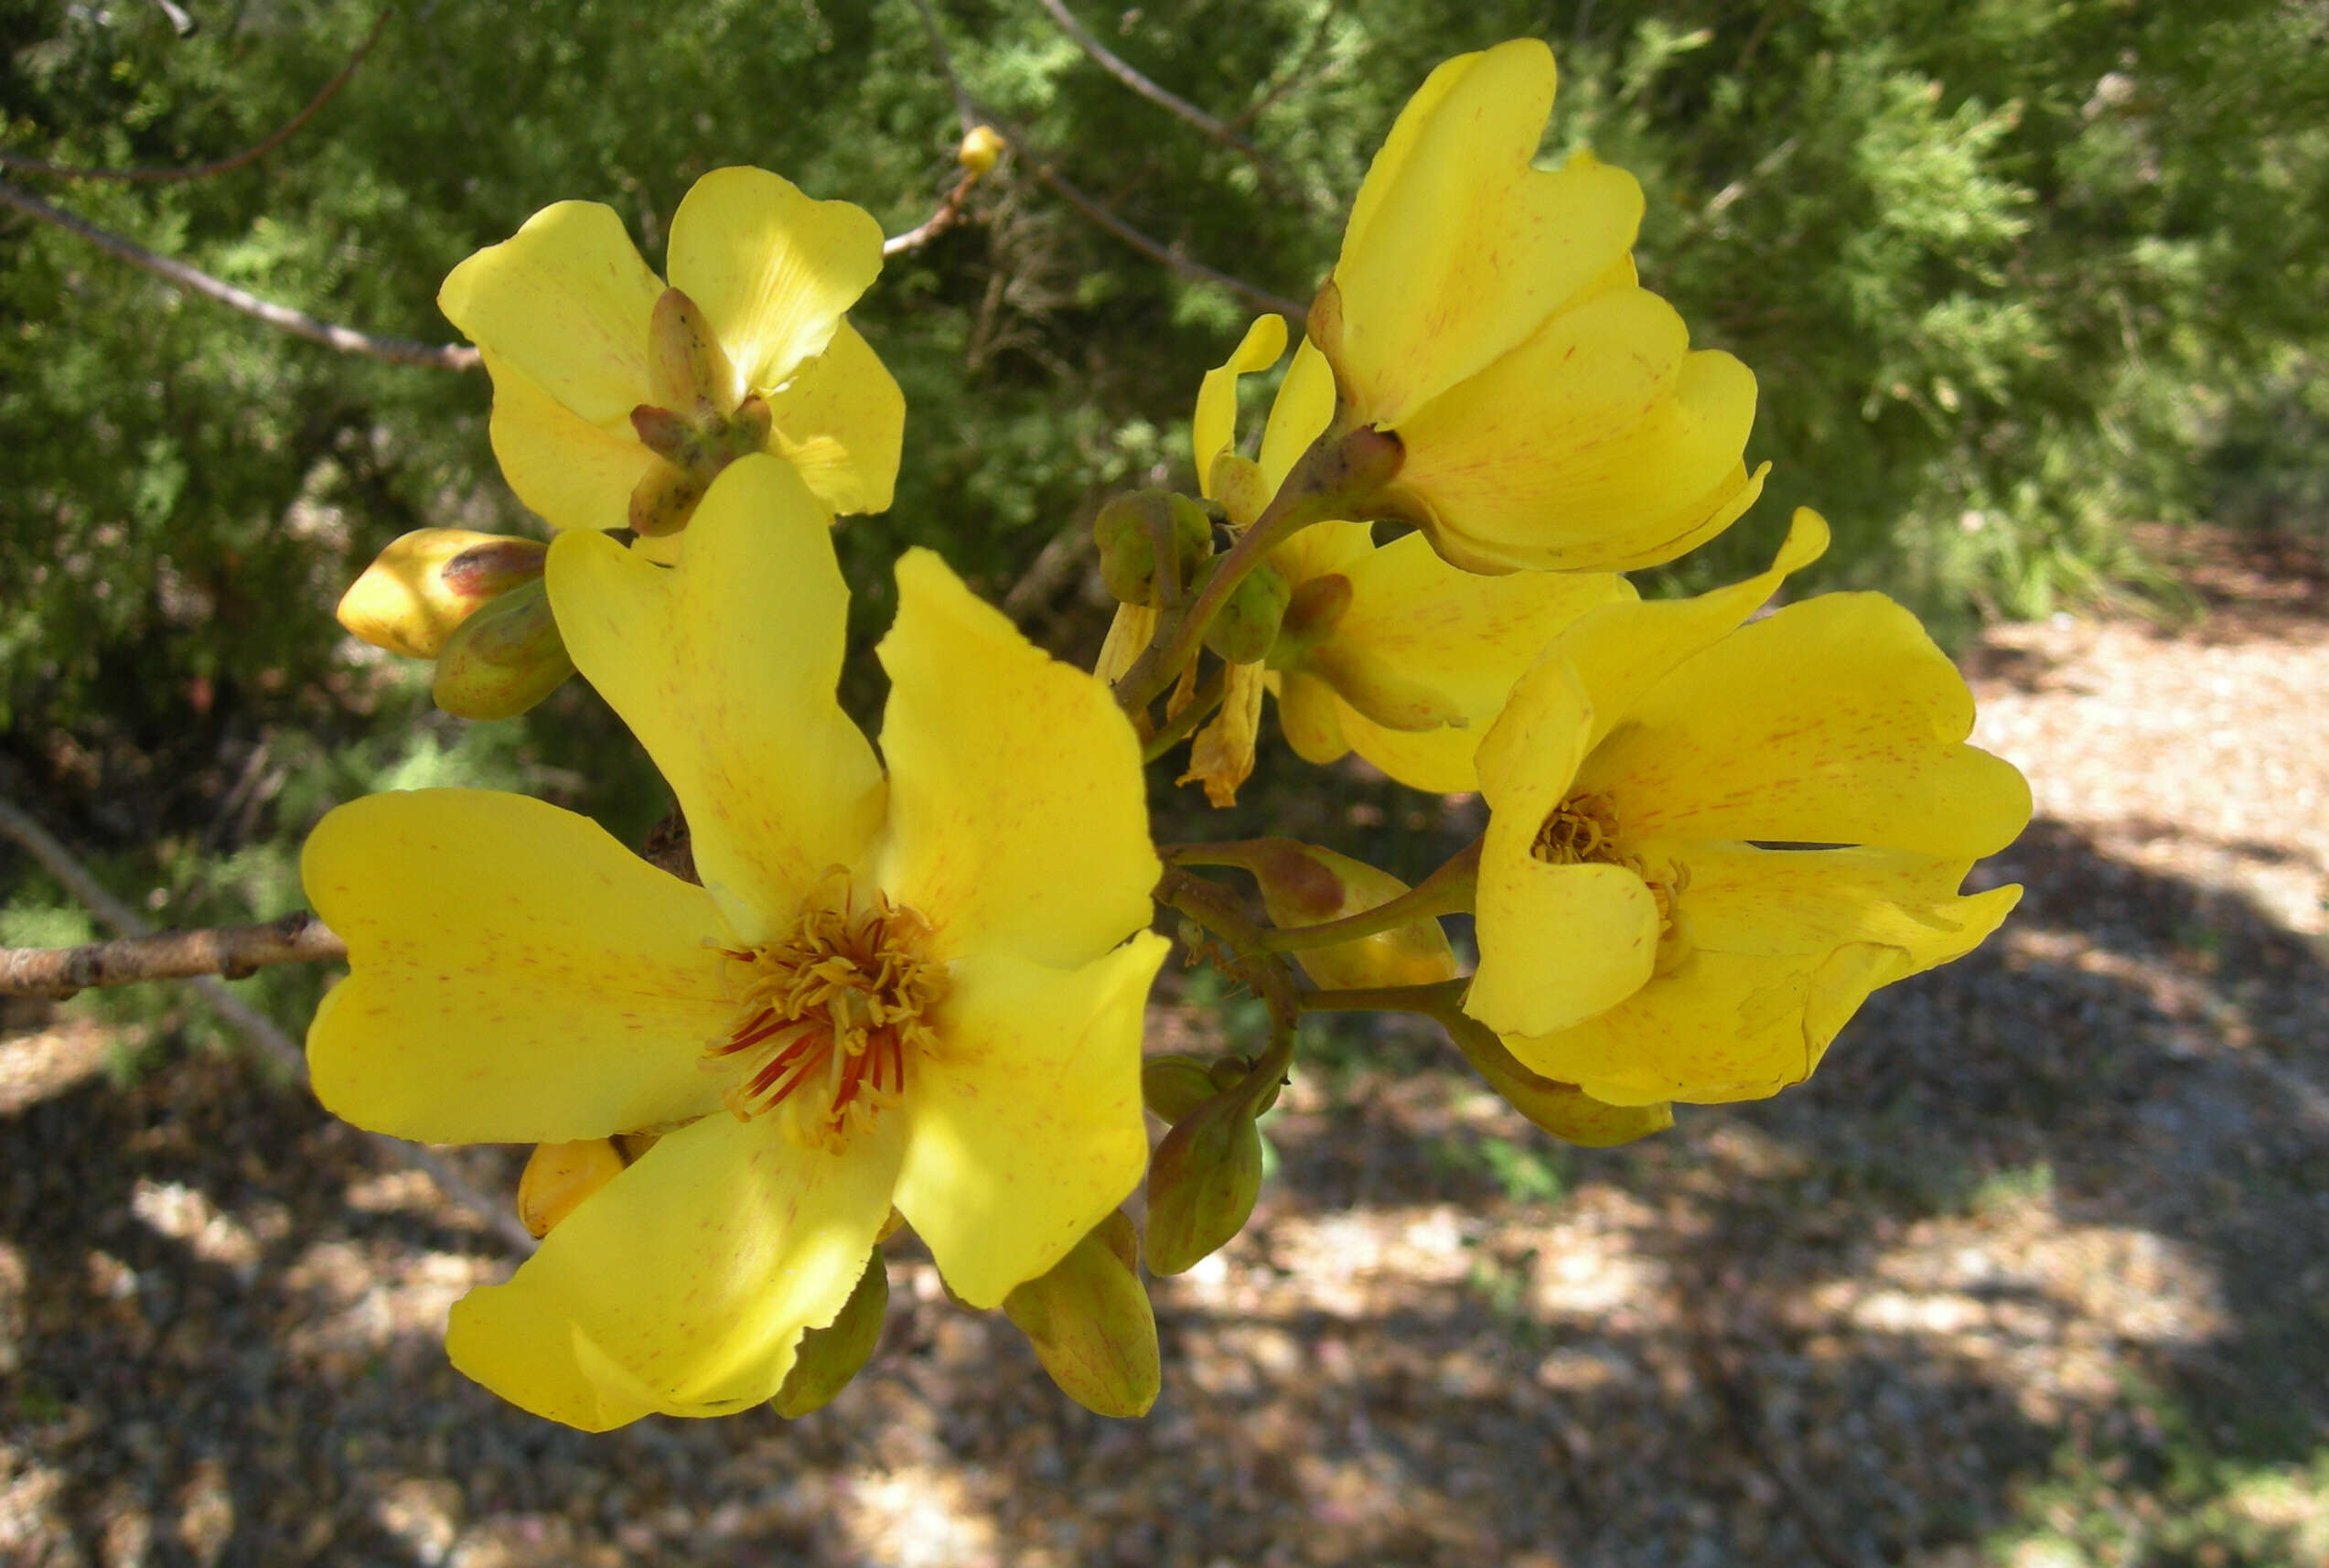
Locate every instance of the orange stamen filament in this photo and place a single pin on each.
(829, 1014)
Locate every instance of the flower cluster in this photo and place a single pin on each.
(901, 984)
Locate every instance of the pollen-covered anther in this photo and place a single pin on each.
(831, 1015)
(1584, 830)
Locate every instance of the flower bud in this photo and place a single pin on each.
(828, 1358)
(1303, 885)
(688, 373)
(558, 1176)
(1202, 1182)
(504, 659)
(1127, 529)
(430, 581)
(1173, 1086)
(1243, 629)
(1089, 1322)
(980, 149)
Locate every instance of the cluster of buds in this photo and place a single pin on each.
(908, 993)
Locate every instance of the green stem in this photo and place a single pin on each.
(1447, 891)
(1436, 1000)
(1183, 724)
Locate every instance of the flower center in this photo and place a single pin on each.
(694, 423)
(830, 1016)
(1584, 830)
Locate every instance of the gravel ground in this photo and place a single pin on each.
(2033, 1274)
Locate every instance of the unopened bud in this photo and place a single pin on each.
(1303, 885)
(1127, 529)
(1173, 1086)
(1202, 1182)
(558, 1176)
(430, 581)
(1089, 1322)
(1243, 629)
(980, 149)
(828, 1358)
(504, 659)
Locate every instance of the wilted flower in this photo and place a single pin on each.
(1487, 313)
(616, 399)
(911, 989)
(1708, 842)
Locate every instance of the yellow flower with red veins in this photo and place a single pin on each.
(617, 400)
(1387, 651)
(1487, 313)
(1709, 842)
(910, 988)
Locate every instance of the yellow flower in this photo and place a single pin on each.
(1487, 313)
(578, 334)
(910, 990)
(1388, 652)
(1709, 842)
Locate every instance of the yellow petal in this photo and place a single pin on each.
(773, 269)
(841, 423)
(1321, 549)
(1766, 902)
(1311, 716)
(724, 667)
(1299, 414)
(1463, 637)
(1018, 816)
(569, 472)
(1437, 761)
(1213, 429)
(518, 975)
(1457, 248)
(1416, 953)
(567, 300)
(1620, 650)
(1025, 1125)
(1558, 943)
(1599, 444)
(683, 1285)
(1834, 721)
(1729, 1026)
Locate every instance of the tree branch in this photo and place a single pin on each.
(1039, 164)
(501, 1218)
(232, 952)
(249, 155)
(1171, 102)
(395, 350)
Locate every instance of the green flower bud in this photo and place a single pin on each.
(829, 1357)
(1202, 1182)
(1175, 1086)
(1089, 1322)
(1127, 529)
(1243, 629)
(504, 659)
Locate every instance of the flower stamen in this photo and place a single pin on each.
(829, 1013)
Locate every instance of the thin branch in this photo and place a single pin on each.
(949, 211)
(1286, 83)
(1171, 102)
(249, 155)
(255, 1027)
(395, 350)
(972, 114)
(231, 951)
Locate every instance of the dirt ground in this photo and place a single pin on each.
(2034, 1275)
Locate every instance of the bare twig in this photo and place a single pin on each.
(183, 25)
(231, 951)
(395, 350)
(1038, 163)
(1171, 102)
(249, 155)
(255, 1027)
(949, 210)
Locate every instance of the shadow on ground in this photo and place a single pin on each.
(2036, 1265)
